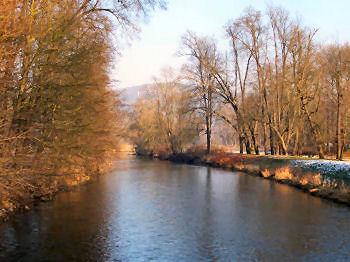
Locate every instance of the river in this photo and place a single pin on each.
(149, 210)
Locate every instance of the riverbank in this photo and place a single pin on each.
(323, 178)
(19, 192)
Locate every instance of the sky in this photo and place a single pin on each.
(159, 42)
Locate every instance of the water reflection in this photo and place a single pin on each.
(153, 210)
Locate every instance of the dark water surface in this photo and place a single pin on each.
(158, 211)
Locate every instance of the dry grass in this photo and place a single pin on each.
(310, 179)
(284, 173)
(266, 173)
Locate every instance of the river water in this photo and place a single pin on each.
(148, 210)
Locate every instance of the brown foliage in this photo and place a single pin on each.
(58, 114)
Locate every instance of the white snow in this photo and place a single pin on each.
(325, 166)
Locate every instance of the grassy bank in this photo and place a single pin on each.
(326, 179)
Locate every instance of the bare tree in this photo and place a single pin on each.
(247, 35)
(202, 53)
(164, 119)
(337, 73)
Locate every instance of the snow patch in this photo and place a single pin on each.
(324, 166)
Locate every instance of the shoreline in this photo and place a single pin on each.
(19, 194)
(333, 187)
(280, 170)
(44, 189)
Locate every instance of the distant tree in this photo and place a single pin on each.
(164, 119)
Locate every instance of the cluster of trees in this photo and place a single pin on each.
(280, 90)
(163, 118)
(58, 112)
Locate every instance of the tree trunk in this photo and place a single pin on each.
(281, 147)
(208, 133)
(296, 142)
(265, 140)
(320, 150)
(272, 144)
(342, 147)
(247, 147)
(253, 135)
(339, 141)
(256, 145)
(241, 144)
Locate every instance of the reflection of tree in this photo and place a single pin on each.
(281, 218)
(71, 228)
(205, 237)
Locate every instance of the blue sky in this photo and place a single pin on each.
(160, 38)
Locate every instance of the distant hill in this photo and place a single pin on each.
(132, 93)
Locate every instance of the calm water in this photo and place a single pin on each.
(157, 211)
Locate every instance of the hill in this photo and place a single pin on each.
(132, 93)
